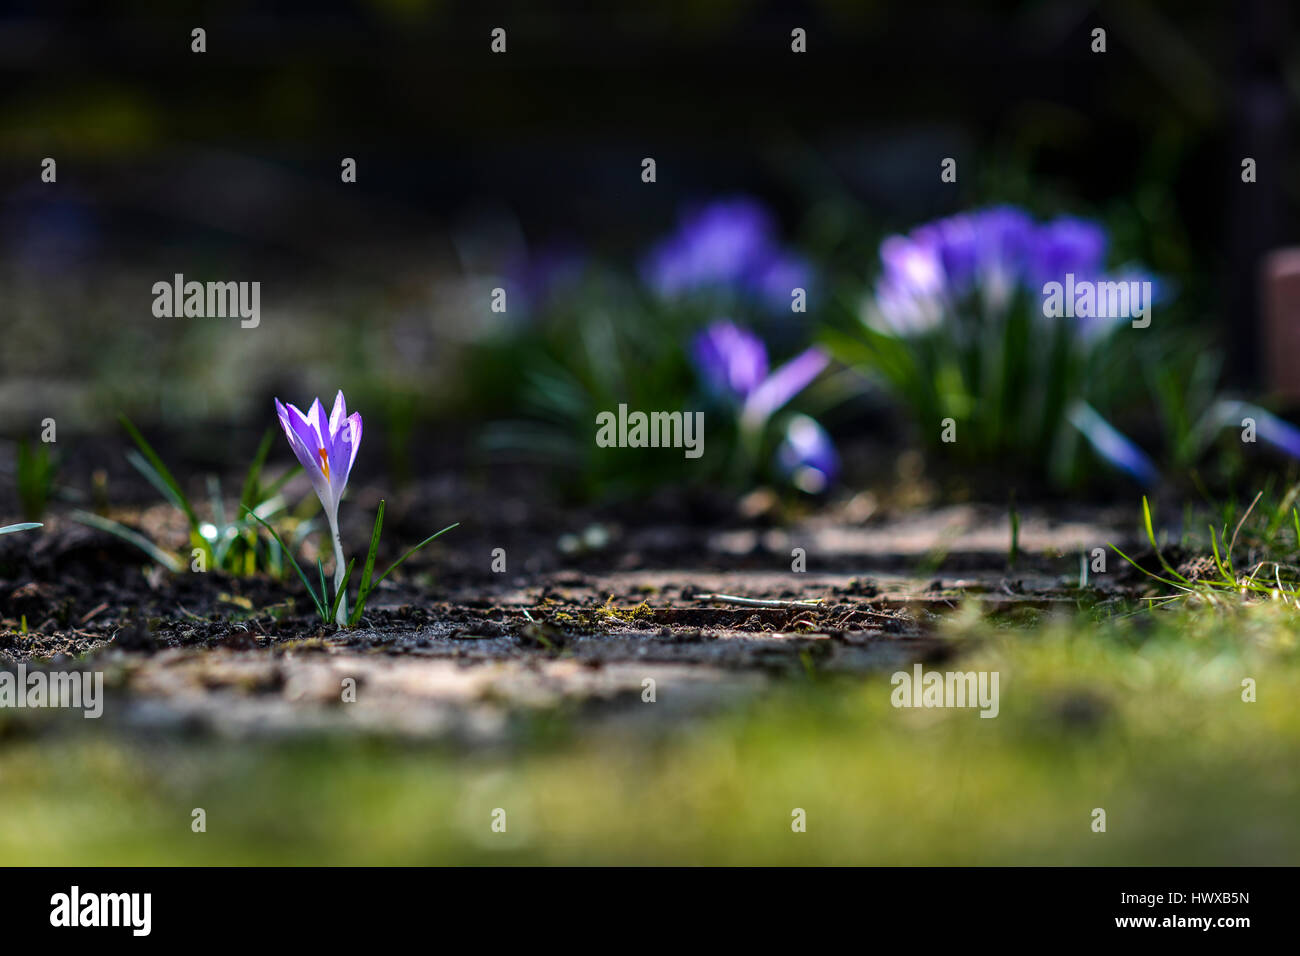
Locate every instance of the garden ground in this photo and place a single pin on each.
(526, 692)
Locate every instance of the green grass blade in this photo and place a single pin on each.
(160, 469)
(361, 599)
(21, 526)
(364, 590)
(218, 504)
(324, 589)
(271, 490)
(138, 462)
(342, 589)
(320, 604)
(1015, 537)
(1151, 536)
(394, 566)
(1214, 543)
(254, 475)
(1150, 574)
(130, 536)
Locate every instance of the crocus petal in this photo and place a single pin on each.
(728, 246)
(302, 438)
(713, 246)
(302, 428)
(806, 456)
(913, 264)
(344, 452)
(1069, 246)
(354, 420)
(295, 440)
(339, 413)
(732, 361)
(1112, 445)
(784, 384)
(1006, 236)
(316, 416)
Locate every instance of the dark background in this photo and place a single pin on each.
(172, 161)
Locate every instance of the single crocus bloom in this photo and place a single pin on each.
(714, 245)
(326, 450)
(733, 363)
(729, 246)
(806, 455)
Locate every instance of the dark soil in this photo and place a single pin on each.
(588, 593)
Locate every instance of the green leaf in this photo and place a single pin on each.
(138, 462)
(364, 590)
(1151, 536)
(255, 472)
(342, 589)
(22, 526)
(176, 495)
(324, 590)
(319, 602)
(129, 535)
(1149, 574)
(271, 490)
(361, 598)
(393, 567)
(1214, 543)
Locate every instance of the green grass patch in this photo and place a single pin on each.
(1141, 716)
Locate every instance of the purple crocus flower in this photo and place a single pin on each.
(1006, 241)
(995, 251)
(910, 295)
(955, 244)
(733, 363)
(326, 450)
(914, 264)
(1006, 236)
(782, 385)
(730, 245)
(806, 456)
(714, 245)
(1068, 245)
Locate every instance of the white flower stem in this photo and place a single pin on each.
(341, 617)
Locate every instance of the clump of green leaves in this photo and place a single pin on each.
(1214, 577)
(326, 599)
(227, 543)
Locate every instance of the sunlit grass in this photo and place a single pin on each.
(1143, 717)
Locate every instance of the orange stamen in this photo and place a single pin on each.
(324, 462)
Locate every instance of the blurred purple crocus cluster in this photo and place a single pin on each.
(733, 365)
(995, 252)
(729, 246)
